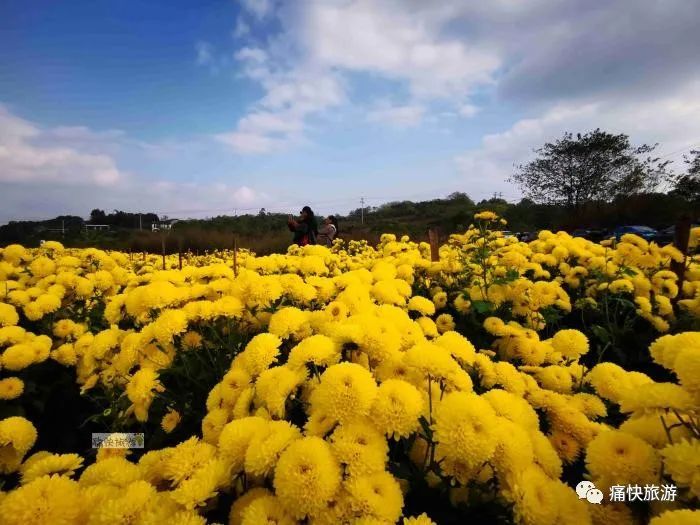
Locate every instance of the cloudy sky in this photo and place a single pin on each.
(205, 108)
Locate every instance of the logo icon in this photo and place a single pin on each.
(587, 490)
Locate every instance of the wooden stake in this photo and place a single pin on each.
(682, 237)
(433, 236)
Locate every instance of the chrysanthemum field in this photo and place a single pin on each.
(356, 384)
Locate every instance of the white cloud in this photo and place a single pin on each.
(253, 55)
(245, 195)
(45, 172)
(399, 43)
(398, 116)
(252, 142)
(278, 120)
(672, 120)
(259, 8)
(301, 68)
(29, 154)
(468, 110)
(241, 28)
(204, 53)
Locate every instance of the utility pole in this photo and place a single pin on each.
(362, 210)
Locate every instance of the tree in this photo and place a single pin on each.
(97, 216)
(595, 166)
(687, 185)
(460, 196)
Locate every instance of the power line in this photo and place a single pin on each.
(689, 147)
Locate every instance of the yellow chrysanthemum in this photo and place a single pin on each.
(64, 464)
(307, 476)
(360, 448)
(346, 392)
(397, 408)
(465, 432)
(48, 499)
(170, 421)
(621, 458)
(11, 388)
(377, 495)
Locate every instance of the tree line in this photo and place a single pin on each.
(590, 180)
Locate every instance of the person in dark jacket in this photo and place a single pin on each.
(305, 227)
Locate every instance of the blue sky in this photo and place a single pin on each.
(199, 109)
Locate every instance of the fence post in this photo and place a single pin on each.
(179, 256)
(681, 239)
(162, 241)
(433, 239)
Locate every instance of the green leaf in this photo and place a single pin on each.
(601, 333)
(482, 307)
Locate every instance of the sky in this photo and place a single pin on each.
(198, 109)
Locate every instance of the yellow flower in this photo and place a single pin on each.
(170, 420)
(397, 408)
(360, 448)
(307, 476)
(259, 354)
(17, 436)
(48, 499)
(265, 509)
(276, 385)
(423, 519)
(566, 446)
(652, 396)
(64, 464)
(465, 432)
(191, 340)
(682, 461)
(377, 495)
(8, 315)
(19, 356)
(242, 502)
(235, 438)
(458, 345)
(141, 391)
(444, 323)
(114, 470)
(534, 498)
(201, 485)
(440, 300)
(266, 447)
(513, 407)
(11, 388)
(486, 216)
(289, 322)
(428, 326)
(346, 392)
(421, 305)
(621, 458)
(570, 343)
(319, 350)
